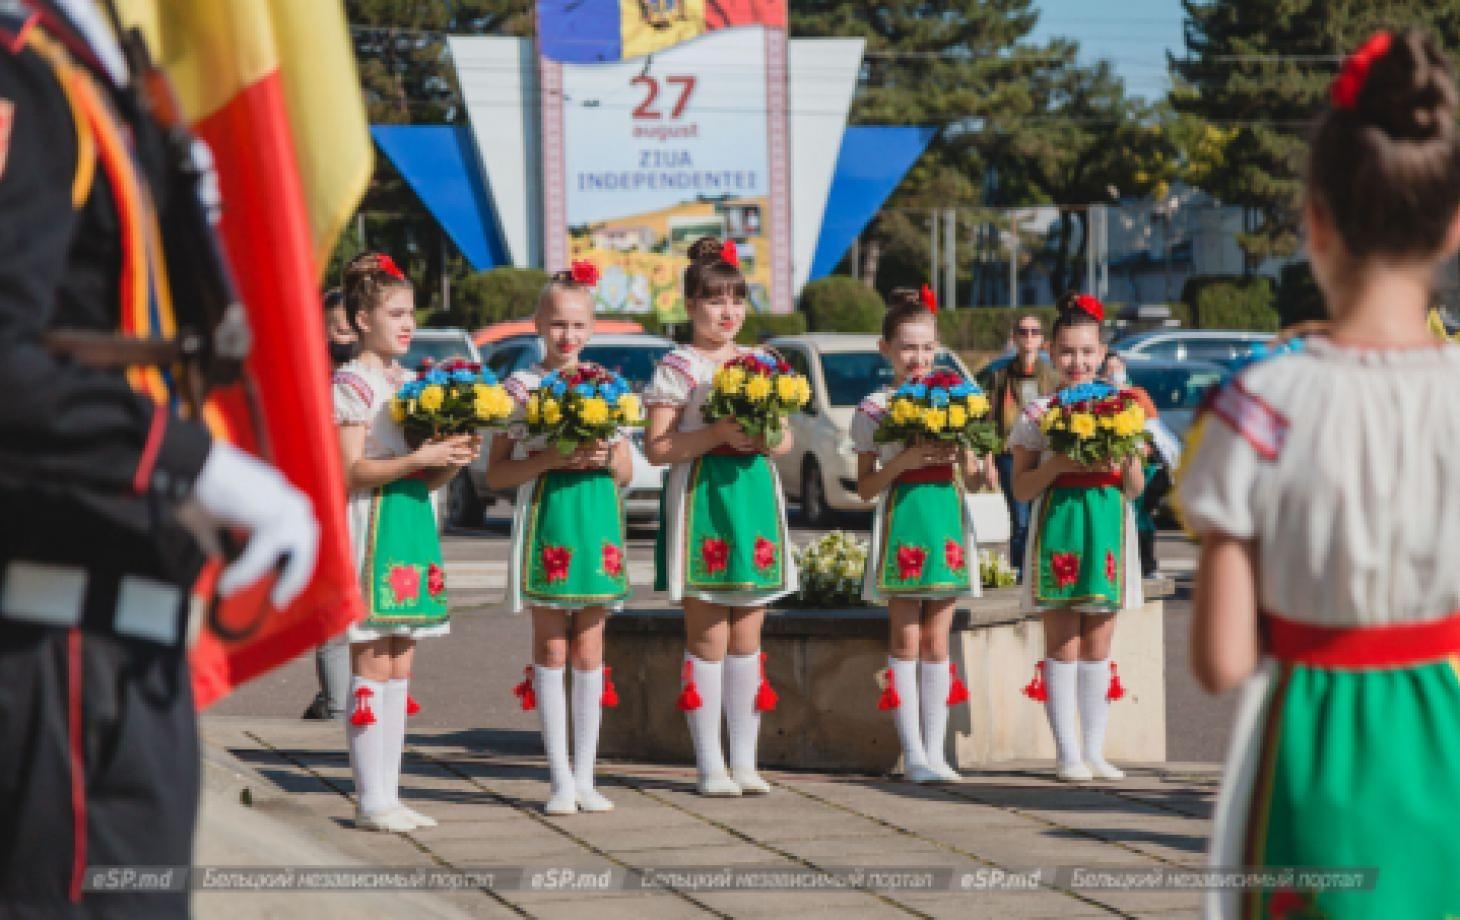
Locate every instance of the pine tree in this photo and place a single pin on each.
(1257, 73)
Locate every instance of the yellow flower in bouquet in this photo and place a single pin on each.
(432, 397)
(1130, 422)
(595, 411)
(533, 410)
(935, 420)
(1082, 425)
(629, 409)
(730, 381)
(978, 405)
(397, 411)
(757, 389)
(957, 416)
(552, 413)
(904, 411)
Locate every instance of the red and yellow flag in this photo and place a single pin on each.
(271, 86)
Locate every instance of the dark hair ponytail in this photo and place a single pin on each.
(710, 274)
(1385, 158)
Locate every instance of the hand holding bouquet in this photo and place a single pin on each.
(1095, 425)
(580, 406)
(451, 398)
(758, 391)
(940, 406)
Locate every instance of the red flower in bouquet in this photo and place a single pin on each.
(1066, 568)
(435, 580)
(910, 561)
(765, 553)
(405, 583)
(555, 562)
(953, 555)
(613, 559)
(716, 554)
(1110, 569)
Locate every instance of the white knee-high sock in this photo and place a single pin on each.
(1061, 678)
(933, 683)
(742, 720)
(393, 739)
(1094, 708)
(906, 715)
(552, 715)
(587, 717)
(704, 721)
(365, 743)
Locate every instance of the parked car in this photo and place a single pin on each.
(631, 356)
(821, 469)
(1221, 346)
(439, 344)
(1176, 387)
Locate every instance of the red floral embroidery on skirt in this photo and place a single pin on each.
(555, 562)
(765, 553)
(435, 580)
(910, 561)
(953, 555)
(716, 554)
(405, 583)
(1110, 569)
(613, 559)
(1066, 568)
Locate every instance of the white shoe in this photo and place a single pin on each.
(945, 773)
(591, 800)
(1073, 773)
(415, 817)
(719, 785)
(393, 821)
(920, 773)
(562, 803)
(750, 782)
(1104, 769)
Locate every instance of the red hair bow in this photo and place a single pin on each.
(1344, 93)
(386, 264)
(729, 254)
(584, 273)
(929, 299)
(1091, 306)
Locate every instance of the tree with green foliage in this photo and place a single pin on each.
(1255, 74)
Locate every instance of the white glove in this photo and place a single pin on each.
(237, 489)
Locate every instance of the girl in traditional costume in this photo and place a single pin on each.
(393, 534)
(724, 550)
(1082, 565)
(924, 553)
(569, 560)
(1322, 486)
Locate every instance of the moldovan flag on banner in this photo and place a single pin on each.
(585, 31)
(271, 86)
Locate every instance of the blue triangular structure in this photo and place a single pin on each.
(872, 162)
(439, 162)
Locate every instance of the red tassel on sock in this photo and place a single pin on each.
(412, 707)
(1035, 688)
(889, 698)
(363, 714)
(957, 690)
(524, 691)
(689, 697)
(610, 692)
(1117, 689)
(765, 696)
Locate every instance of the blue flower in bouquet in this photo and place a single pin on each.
(584, 390)
(938, 398)
(558, 388)
(963, 390)
(917, 390)
(1084, 392)
(462, 375)
(489, 378)
(765, 361)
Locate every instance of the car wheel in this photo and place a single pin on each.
(464, 508)
(813, 495)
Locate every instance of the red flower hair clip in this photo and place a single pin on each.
(584, 273)
(384, 263)
(929, 299)
(1091, 306)
(1344, 92)
(729, 254)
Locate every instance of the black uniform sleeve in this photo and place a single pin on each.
(63, 425)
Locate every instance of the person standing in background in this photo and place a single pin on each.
(1026, 378)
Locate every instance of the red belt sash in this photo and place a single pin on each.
(943, 473)
(725, 450)
(1393, 645)
(1087, 480)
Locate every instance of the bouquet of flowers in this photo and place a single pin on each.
(453, 397)
(1095, 424)
(758, 391)
(831, 570)
(940, 406)
(587, 403)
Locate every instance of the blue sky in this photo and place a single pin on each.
(1134, 34)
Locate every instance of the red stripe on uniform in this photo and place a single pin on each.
(150, 448)
(78, 764)
(1087, 480)
(1392, 645)
(943, 473)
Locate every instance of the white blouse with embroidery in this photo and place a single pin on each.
(1340, 463)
